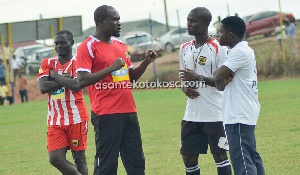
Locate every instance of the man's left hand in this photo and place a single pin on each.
(151, 55)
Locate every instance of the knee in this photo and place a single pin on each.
(79, 157)
(220, 157)
(190, 160)
(55, 160)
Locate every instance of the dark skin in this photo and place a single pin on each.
(57, 158)
(197, 23)
(223, 75)
(105, 29)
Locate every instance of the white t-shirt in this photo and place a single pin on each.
(16, 64)
(278, 32)
(206, 60)
(240, 99)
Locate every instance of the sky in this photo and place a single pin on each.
(131, 10)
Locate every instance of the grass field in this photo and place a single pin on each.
(23, 131)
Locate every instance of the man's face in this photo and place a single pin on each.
(195, 26)
(63, 46)
(222, 35)
(112, 23)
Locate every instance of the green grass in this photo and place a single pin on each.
(23, 131)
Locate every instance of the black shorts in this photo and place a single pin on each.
(196, 136)
(118, 134)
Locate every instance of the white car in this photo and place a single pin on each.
(138, 42)
(37, 57)
(24, 53)
(177, 36)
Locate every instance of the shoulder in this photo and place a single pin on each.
(187, 44)
(88, 42)
(117, 42)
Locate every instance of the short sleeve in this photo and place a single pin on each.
(236, 59)
(84, 58)
(73, 68)
(180, 55)
(44, 69)
(221, 57)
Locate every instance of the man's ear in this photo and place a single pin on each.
(230, 34)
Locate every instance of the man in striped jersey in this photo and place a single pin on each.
(67, 114)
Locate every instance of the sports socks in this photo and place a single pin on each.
(224, 167)
(193, 170)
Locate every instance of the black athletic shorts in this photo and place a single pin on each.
(196, 136)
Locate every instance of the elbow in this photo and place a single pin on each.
(43, 91)
(81, 84)
(218, 81)
(77, 88)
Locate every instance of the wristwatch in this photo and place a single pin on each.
(201, 78)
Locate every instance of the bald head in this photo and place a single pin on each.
(102, 12)
(202, 14)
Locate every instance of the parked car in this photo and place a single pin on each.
(24, 53)
(175, 37)
(138, 43)
(264, 23)
(37, 57)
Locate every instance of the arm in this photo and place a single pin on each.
(136, 73)
(190, 75)
(64, 81)
(46, 85)
(222, 77)
(85, 78)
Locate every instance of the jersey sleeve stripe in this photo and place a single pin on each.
(83, 70)
(89, 46)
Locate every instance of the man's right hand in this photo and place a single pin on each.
(190, 92)
(118, 64)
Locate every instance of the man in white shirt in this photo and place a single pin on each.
(202, 124)
(240, 100)
(16, 66)
(240, 106)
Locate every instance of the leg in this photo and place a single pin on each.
(108, 133)
(26, 95)
(218, 146)
(77, 135)
(242, 148)
(21, 95)
(193, 142)
(58, 159)
(259, 163)
(131, 147)
(80, 161)
(1, 101)
(222, 163)
(191, 164)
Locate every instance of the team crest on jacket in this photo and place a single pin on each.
(202, 60)
(75, 143)
(126, 55)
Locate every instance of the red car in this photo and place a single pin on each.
(264, 22)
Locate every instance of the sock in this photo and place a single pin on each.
(194, 170)
(224, 168)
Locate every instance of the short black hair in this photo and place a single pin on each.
(203, 13)
(234, 24)
(67, 33)
(101, 12)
